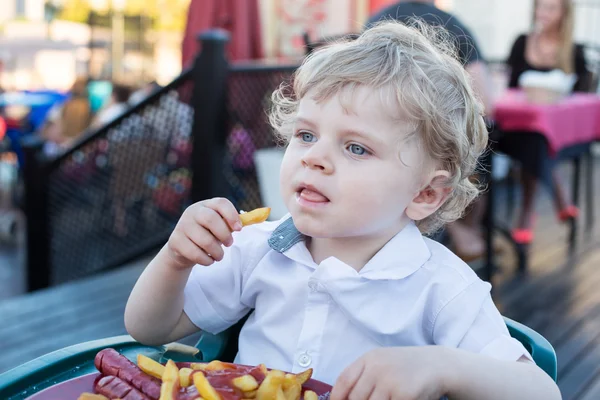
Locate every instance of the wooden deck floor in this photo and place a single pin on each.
(559, 297)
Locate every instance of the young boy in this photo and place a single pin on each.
(383, 133)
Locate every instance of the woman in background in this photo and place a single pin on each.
(549, 46)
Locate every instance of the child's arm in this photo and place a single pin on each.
(154, 312)
(473, 376)
(432, 372)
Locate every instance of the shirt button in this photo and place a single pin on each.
(304, 360)
(313, 286)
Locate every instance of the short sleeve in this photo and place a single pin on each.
(471, 321)
(213, 294)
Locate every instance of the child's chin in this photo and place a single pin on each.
(310, 226)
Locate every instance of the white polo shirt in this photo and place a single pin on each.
(413, 292)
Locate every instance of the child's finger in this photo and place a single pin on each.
(380, 392)
(227, 211)
(362, 389)
(187, 252)
(205, 240)
(347, 380)
(214, 222)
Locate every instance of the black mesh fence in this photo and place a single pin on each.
(121, 193)
(248, 130)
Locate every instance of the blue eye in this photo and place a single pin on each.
(307, 137)
(357, 150)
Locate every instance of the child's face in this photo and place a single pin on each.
(346, 172)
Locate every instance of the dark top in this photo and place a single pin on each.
(518, 64)
(468, 52)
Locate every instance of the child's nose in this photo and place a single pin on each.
(317, 158)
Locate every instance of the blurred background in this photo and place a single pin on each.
(47, 43)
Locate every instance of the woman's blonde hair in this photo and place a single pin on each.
(565, 57)
(419, 67)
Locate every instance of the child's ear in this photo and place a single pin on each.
(431, 197)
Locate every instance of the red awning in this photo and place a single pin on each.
(239, 17)
(376, 5)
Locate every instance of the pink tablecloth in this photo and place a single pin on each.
(574, 120)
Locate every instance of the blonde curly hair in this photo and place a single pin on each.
(418, 64)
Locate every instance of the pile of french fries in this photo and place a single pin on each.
(277, 385)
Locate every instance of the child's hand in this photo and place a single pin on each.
(201, 232)
(398, 373)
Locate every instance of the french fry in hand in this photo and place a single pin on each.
(150, 366)
(185, 377)
(246, 383)
(92, 396)
(169, 389)
(271, 387)
(310, 395)
(255, 216)
(303, 377)
(206, 391)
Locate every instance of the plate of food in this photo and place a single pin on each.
(120, 378)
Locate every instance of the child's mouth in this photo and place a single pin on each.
(309, 195)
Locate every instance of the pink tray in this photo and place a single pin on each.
(73, 388)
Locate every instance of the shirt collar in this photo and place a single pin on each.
(403, 255)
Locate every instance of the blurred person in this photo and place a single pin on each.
(465, 234)
(143, 92)
(67, 121)
(548, 46)
(118, 104)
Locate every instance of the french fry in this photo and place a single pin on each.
(250, 395)
(150, 366)
(255, 216)
(310, 395)
(185, 377)
(246, 383)
(169, 389)
(92, 396)
(289, 380)
(198, 366)
(303, 377)
(280, 394)
(218, 366)
(206, 391)
(263, 369)
(270, 388)
(291, 387)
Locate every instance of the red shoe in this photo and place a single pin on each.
(522, 236)
(568, 213)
